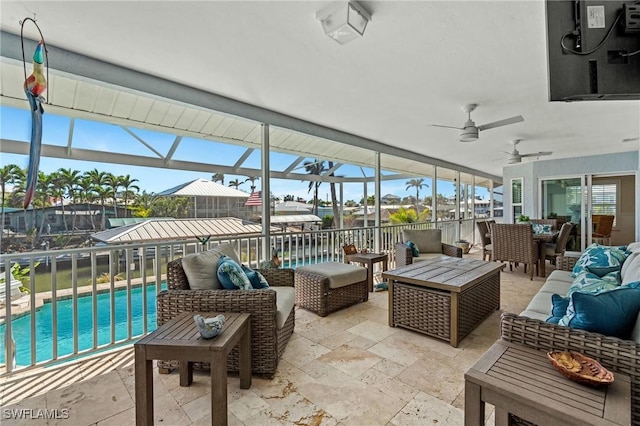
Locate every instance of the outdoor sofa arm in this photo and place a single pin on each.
(403, 255)
(615, 354)
(278, 277)
(451, 250)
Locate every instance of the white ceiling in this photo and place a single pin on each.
(418, 63)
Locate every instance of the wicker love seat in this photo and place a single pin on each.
(429, 244)
(271, 325)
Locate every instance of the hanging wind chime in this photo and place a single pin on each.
(34, 86)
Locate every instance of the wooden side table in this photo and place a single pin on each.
(368, 260)
(179, 339)
(521, 381)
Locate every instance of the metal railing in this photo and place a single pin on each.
(85, 300)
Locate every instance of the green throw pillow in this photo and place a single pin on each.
(414, 248)
(559, 308)
(600, 256)
(586, 282)
(255, 278)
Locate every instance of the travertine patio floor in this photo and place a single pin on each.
(349, 368)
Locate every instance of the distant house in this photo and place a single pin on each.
(209, 199)
(74, 217)
(390, 199)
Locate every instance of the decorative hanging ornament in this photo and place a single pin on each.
(34, 86)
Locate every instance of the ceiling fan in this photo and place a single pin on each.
(515, 157)
(469, 131)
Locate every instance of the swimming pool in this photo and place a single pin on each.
(21, 326)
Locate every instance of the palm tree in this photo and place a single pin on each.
(41, 199)
(235, 183)
(314, 168)
(334, 199)
(113, 182)
(218, 177)
(143, 204)
(253, 180)
(127, 185)
(87, 194)
(58, 187)
(418, 184)
(8, 175)
(98, 180)
(70, 179)
(403, 216)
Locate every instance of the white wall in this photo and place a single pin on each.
(532, 172)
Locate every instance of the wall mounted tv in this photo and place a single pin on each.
(594, 49)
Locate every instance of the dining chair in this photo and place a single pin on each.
(603, 229)
(514, 243)
(485, 239)
(552, 250)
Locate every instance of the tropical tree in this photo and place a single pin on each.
(371, 200)
(253, 180)
(235, 183)
(288, 198)
(128, 187)
(334, 198)
(218, 177)
(58, 188)
(87, 195)
(314, 168)
(8, 175)
(41, 199)
(350, 203)
(170, 207)
(113, 182)
(69, 179)
(403, 216)
(418, 184)
(102, 191)
(143, 204)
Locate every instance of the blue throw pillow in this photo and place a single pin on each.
(414, 248)
(601, 271)
(255, 278)
(612, 313)
(231, 275)
(537, 228)
(559, 308)
(599, 256)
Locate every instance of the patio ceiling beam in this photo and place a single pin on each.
(85, 66)
(243, 158)
(172, 150)
(293, 165)
(142, 141)
(54, 151)
(335, 167)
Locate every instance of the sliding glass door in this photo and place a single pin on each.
(562, 199)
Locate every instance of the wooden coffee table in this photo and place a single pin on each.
(520, 381)
(444, 297)
(179, 339)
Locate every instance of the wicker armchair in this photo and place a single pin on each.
(267, 341)
(553, 250)
(514, 243)
(404, 255)
(603, 228)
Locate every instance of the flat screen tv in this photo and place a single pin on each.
(593, 49)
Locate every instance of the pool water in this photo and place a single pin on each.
(21, 326)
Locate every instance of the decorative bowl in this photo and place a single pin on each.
(580, 368)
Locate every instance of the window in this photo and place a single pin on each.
(604, 199)
(516, 198)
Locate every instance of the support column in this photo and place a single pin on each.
(266, 192)
(434, 196)
(377, 234)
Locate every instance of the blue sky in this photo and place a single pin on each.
(16, 124)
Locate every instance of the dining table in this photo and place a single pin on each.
(541, 239)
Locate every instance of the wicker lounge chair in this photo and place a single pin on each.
(514, 243)
(404, 255)
(267, 340)
(485, 239)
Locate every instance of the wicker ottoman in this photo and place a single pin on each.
(326, 287)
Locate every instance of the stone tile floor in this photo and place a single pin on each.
(349, 368)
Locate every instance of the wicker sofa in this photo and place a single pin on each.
(530, 329)
(429, 244)
(268, 338)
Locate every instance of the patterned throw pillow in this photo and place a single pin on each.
(256, 279)
(231, 275)
(599, 256)
(537, 228)
(587, 282)
(414, 248)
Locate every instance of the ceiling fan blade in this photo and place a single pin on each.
(500, 123)
(536, 154)
(448, 127)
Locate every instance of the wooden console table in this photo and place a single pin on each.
(520, 381)
(179, 339)
(369, 259)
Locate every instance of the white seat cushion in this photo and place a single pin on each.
(427, 240)
(339, 274)
(201, 268)
(285, 299)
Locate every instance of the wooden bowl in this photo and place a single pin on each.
(580, 368)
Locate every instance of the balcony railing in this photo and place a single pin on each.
(86, 300)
